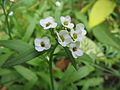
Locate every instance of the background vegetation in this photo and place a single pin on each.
(21, 67)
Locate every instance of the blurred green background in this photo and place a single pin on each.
(99, 67)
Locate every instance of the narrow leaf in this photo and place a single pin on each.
(16, 45)
(29, 30)
(72, 75)
(27, 55)
(25, 72)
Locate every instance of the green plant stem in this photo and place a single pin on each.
(50, 66)
(6, 19)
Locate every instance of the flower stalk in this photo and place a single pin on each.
(50, 66)
(6, 19)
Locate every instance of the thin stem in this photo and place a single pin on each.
(6, 19)
(50, 66)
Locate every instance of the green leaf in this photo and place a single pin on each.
(86, 59)
(102, 33)
(90, 82)
(26, 73)
(88, 6)
(16, 45)
(4, 71)
(3, 58)
(29, 30)
(100, 11)
(27, 55)
(72, 75)
(16, 87)
(69, 55)
(26, 52)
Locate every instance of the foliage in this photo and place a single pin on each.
(22, 67)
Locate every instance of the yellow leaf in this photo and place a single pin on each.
(99, 12)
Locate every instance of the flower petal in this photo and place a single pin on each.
(67, 38)
(68, 18)
(80, 26)
(47, 46)
(62, 19)
(79, 52)
(39, 49)
(53, 25)
(63, 32)
(37, 41)
(48, 23)
(84, 32)
(71, 25)
(74, 55)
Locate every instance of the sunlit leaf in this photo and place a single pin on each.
(100, 11)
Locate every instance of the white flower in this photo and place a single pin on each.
(63, 37)
(12, 0)
(57, 3)
(11, 13)
(66, 22)
(80, 27)
(42, 44)
(75, 49)
(48, 23)
(78, 33)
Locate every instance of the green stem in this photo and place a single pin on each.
(50, 66)
(6, 19)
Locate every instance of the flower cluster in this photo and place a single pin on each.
(70, 36)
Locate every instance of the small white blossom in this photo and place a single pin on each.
(11, 13)
(80, 27)
(42, 44)
(12, 0)
(75, 49)
(63, 37)
(66, 22)
(57, 3)
(78, 33)
(48, 23)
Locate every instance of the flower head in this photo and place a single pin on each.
(75, 49)
(42, 44)
(12, 0)
(66, 22)
(78, 33)
(11, 13)
(57, 3)
(80, 27)
(48, 23)
(63, 37)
